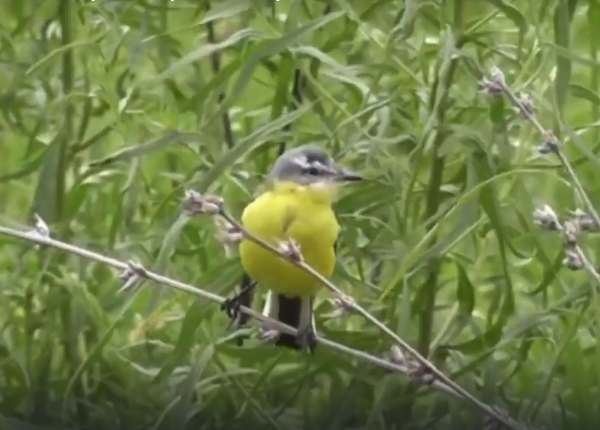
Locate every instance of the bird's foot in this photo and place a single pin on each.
(231, 307)
(422, 374)
(268, 335)
(307, 339)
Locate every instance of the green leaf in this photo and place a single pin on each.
(579, 91)
(562, 25)
(272, 47)
(186, 340)
(164, 257)
(135, 151)
(178, 414)
(512, 13)
(225, 9)
(550, 274)
(269, 131)
(206, 51)
(50, 189)
(465, 292)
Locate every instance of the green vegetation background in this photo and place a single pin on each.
(110, 109)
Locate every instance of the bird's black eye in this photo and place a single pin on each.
(313, 171)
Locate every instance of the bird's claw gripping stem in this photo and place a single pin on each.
(231, 307)
(307, 339)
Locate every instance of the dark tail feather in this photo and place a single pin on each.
(289, 313)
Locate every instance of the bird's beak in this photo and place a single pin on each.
(345, 175)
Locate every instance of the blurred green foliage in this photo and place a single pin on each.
(109, 109)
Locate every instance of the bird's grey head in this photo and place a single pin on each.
(309, 164)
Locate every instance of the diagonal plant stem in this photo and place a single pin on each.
(552, 142)
(589, 267)
(443, 383)
(497, 84)
(198, 292)
(548, 220)
(196, 204)
(359, 309)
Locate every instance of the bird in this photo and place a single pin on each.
(296, 205)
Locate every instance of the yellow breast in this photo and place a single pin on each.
(302, 214)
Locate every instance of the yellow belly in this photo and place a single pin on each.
(290, 213)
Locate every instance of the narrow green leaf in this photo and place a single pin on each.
(225, 9)
(549, 274)
(513, 14)
(259, 137)
(164, 256)
(282, 87)
(273, 47)
(206, 51)
(179, 414)
(50, 189)
(186, 340)
(465, 292)
(562, 29)
(135, 151)
(581, 92)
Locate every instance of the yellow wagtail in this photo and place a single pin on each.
(296, 205)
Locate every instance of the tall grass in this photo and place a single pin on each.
(111, 109)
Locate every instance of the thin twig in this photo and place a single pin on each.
(589, 267)
(496, 84)
(194, 203)
(359, 309)
(40, 239)
(575, 259)
(552, 142)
